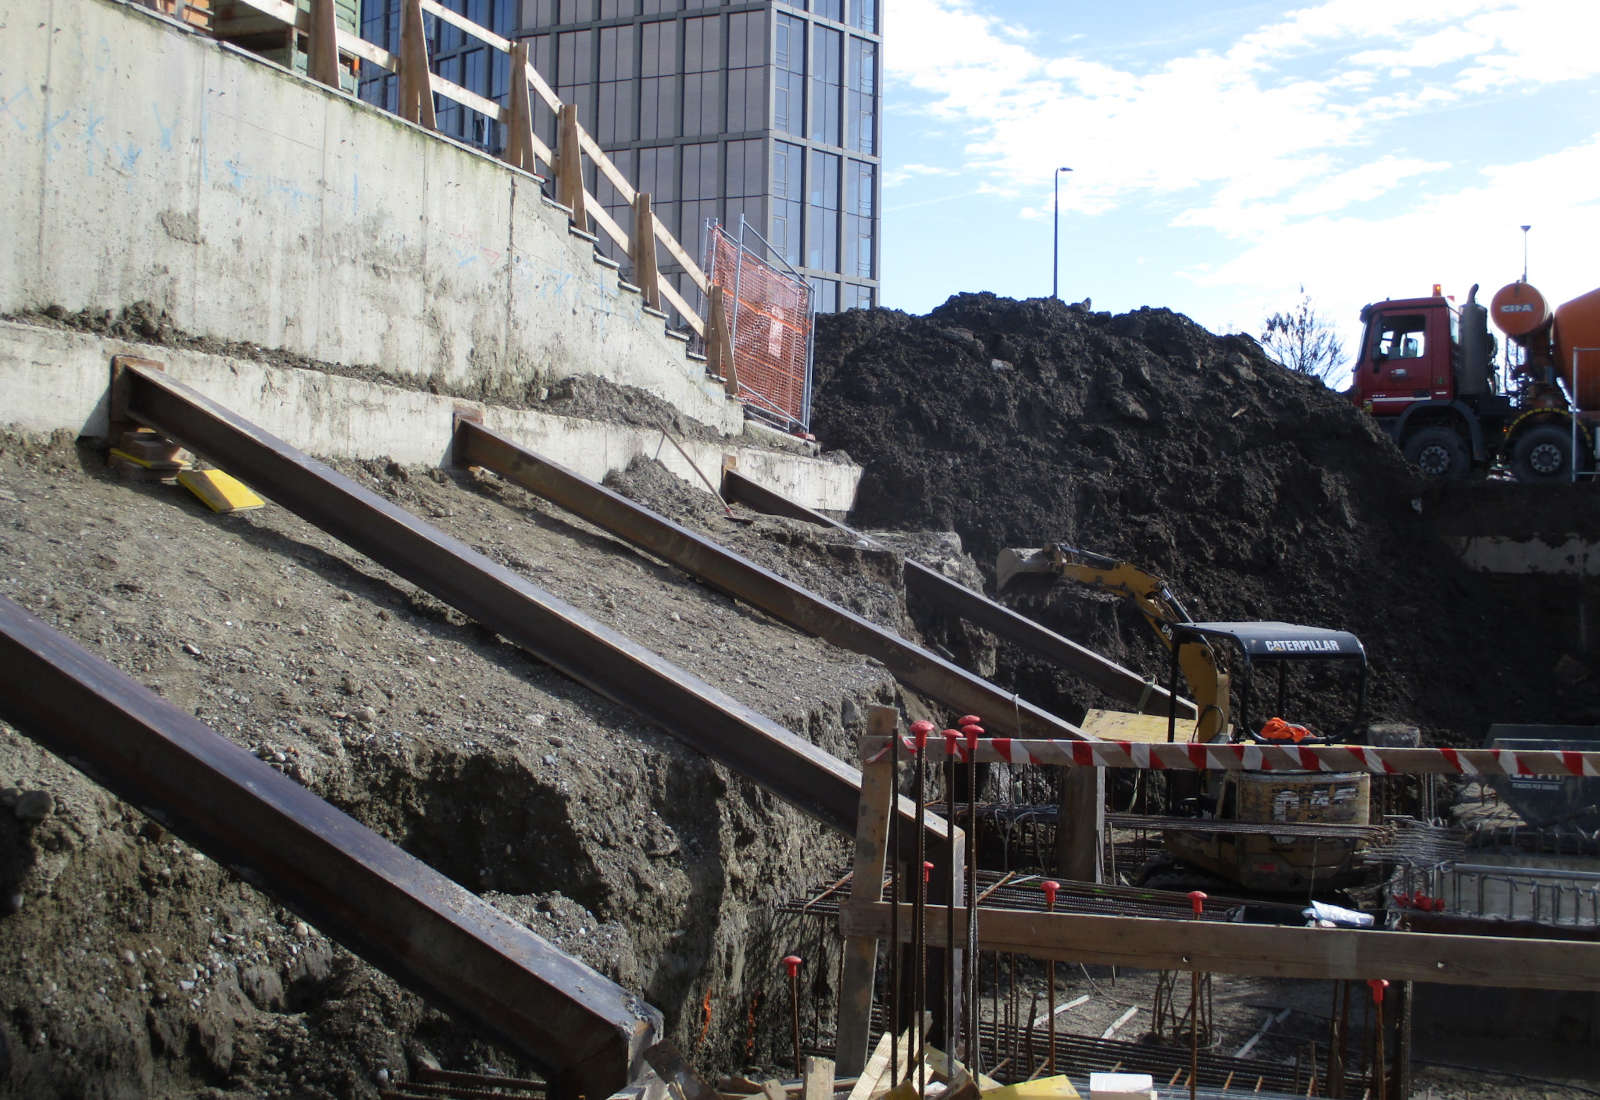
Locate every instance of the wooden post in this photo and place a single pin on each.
(519, 127)
(861, 952)
(719, 342)
(569, 167)
(1081, 824)
(643, 248)
(416, 89)
(323, 60)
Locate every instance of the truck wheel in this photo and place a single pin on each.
(1542, 454)
(1438, 452)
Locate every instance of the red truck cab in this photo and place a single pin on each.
(1426, 373)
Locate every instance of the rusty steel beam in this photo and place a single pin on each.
(913, 666)
(978, 609)
(809, 778)
(588, 1034)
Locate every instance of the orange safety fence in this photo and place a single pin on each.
(770, 317)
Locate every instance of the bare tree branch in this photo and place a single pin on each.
(1302, 341)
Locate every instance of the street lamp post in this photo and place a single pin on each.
(1055, 251)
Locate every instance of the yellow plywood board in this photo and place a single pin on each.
(219, 491)
(1119, 725)
(1042, 1088)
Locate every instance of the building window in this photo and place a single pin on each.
(577, 11)
(788, 200)
(859, 185)
(702, 81)
(824, 295)
(615, 121)
(747, 59)
(658, 81)
(864, 15)
(827, 81)
(829, 9)
(863, 96)
(822, 220)
(789, 77)
(857, 296)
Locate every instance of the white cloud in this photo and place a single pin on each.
(1311, 87)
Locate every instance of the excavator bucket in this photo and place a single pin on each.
(1013, 562)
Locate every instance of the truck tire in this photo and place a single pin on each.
(1543, 454)
(1438, 452)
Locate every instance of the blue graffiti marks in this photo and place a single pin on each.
(164, 129)
(92, 143)
(238, 175)
(280, 185)
(47, 134)
(20, 97)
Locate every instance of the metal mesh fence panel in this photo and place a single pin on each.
(769, 314)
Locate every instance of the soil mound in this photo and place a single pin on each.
(1257, 493)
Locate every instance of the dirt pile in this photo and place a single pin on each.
(1258, 493)
(132, 965)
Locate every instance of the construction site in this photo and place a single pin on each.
(456, 643)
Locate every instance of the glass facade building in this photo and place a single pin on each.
(756, 108)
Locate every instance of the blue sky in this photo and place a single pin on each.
(1223, 154)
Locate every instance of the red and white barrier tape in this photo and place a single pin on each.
(1252, 757)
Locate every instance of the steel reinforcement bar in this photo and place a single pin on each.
(587, 1033)
(939, 590)
(807, 777)
(720, 567)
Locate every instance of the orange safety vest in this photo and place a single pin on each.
(1277, 729)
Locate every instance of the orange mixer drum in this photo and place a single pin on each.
(1519, 309)
(1578, 338)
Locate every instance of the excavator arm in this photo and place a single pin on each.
(1208, 684)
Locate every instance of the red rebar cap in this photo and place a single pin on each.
(927, 870)
(950, 739)
(1050, 886)
(969, 720)
(1197, 899)
(1378, 985)
(920, 731)
(792, 962)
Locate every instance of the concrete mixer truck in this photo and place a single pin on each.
(1427, 373)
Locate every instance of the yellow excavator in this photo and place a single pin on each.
(1267, 832)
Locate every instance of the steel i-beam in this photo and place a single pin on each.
(587, 1033)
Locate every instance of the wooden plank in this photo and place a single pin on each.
(1121, 725)
(871, 856)
(719, 342)
(569, 168)
(605, 223)
(1269, 951)
(606, 166)
(817, 1080)
(519, 124)
(467, 98)
(772, 1089)
(1081, 831)
(679, 253)
(456, 19)
(876, 1069)
(322, 64)
(356, 46)
(645, 274)
(675, 300)
(538, 83)
(416, 97)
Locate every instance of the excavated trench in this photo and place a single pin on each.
(129, 965)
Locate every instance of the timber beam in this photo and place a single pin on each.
(1268, 951)
(697, 713)
(587, 1033)
(720, 567)
(978, 609)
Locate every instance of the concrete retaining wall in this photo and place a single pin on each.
(53, 379)
(140, 162)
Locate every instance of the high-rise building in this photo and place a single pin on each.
(749, 107)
